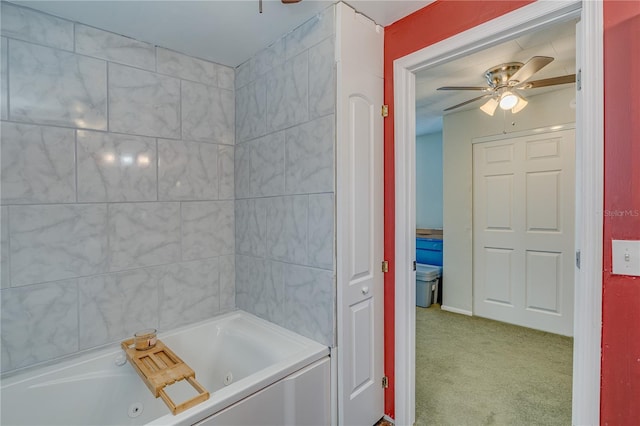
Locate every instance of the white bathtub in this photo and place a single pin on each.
(273, 369)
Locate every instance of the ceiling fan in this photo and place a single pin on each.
(506, 80)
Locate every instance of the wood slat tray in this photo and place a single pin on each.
(159, 367)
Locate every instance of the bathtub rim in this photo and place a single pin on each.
(54, 364)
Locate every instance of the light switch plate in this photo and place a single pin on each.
(626, 257)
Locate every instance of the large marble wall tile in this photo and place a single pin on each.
(55, 242)
(143, 103)
(244, 73)
(50, 86)
(287, 94)
(269, 58)
(267, 165)
(225, 172)
(270, 298)
(208, 113)
(5, 275)
(251, 224)
(309, 163)
(287, 219)
(309, 305)
(114, 47)
(242, 170)
(38, 164)
(251, 104)
(322, 79)
(249, 275)
(310, 33)
(114, 167)
(260, 288)
(186, 67)
(188, 292)
(227, 282)
(114, 306)
(36, 27)
(321, 234)
(226, 77)
(4, 82)
(207, 229)
(143, 234)
(187, 170)
(39, 323)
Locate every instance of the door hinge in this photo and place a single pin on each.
(385, 266)
(385, 382)
(414, 265)
(385, 110)
(578, 259)
(579, 80)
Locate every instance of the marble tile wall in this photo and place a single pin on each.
(284, 181)
(117, 187)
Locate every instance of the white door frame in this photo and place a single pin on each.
(590, 137)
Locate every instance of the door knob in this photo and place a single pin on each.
(365, 290)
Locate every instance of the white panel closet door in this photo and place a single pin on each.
(523, 230)
(359, 195)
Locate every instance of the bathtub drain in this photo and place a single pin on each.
(135, 409)
(228, 378)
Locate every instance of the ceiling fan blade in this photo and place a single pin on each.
(532, 66)
(484, 89)
(468, 102)
(569, 78)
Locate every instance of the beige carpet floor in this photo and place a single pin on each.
(474, 371)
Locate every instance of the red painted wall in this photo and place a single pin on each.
(433, 23)
(620, 398)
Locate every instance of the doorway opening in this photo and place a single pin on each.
(586, 367)
(509, 178)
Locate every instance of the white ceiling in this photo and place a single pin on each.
(558, 42)
(224, 31)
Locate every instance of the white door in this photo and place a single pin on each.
(523, 230)
(359, 218)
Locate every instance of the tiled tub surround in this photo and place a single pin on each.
(284, 181)
(117, 187)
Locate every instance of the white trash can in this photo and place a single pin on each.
(426, 284)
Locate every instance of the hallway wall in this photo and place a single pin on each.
(621, 294)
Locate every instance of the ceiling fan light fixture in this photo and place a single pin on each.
(490, 106)
(508, 100)
(522, 102)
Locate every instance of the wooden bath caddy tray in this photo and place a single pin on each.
(159, 367)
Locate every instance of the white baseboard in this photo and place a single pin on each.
(456, 310)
